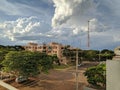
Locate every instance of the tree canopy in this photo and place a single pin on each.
(96, 75)
(26, 63)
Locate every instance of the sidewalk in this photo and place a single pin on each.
(9, 87)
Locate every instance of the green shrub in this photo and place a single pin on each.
(96, 75)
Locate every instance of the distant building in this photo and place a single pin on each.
(31, 47)
(52, 48)
(117, 53)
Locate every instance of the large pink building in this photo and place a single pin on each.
(52, 48)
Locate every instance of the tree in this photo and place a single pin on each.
(106, 54)
(2, 56)
(90, 55)
(96, 75)
(70, 54)
(12, 48)
(55, 59)
(24, 63)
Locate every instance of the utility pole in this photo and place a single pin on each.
(77, 69)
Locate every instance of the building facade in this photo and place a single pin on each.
(52, 48)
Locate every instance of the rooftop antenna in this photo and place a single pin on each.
(88, 43)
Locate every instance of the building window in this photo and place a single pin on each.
(62, 48)
(54, 47)
(49, 48)
(39, 47)
(44, 47)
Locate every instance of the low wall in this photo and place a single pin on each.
(113, 74)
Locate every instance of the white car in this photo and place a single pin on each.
(21, 79)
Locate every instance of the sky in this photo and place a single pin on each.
(62, 21)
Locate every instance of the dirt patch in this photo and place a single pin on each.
(2, 88)
(57, 80)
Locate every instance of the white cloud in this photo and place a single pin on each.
(69, 23)
(73, 11)
(20, 27)
(76, 13)
(103, 15)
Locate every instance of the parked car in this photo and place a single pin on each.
(21, 79)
